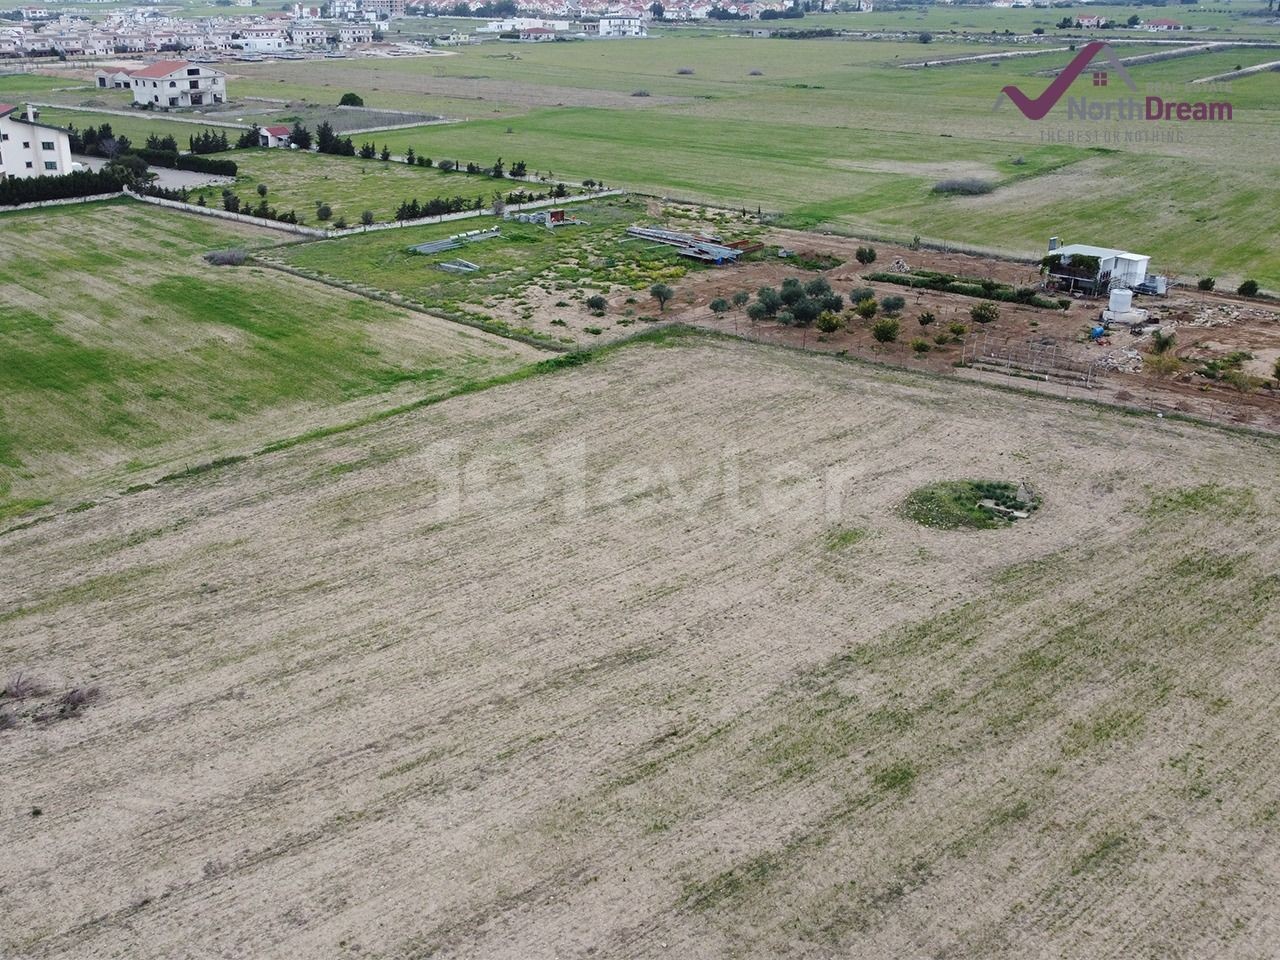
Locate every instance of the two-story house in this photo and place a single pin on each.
(178, 83)
(29, 148)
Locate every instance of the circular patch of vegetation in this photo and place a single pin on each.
(970, 504)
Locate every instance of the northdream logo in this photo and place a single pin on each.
(1124, 108)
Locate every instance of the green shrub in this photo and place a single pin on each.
(828, 322)
(1161, 341)
(968, 286)
(920, 345)
(886, 330)
(892, 304)
(1207, 283)
(954, 504)
(867, 308)
(1248, 289)
(985, 312)
(926, 318)
(865, 255)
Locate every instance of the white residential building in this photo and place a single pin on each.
(1117, 268)
(355, 33)
(308, 35)
(622, 27)
(263, 39)
(29, 148)
(518, 24)
(114, 79)
(178, 83)
(274, 136)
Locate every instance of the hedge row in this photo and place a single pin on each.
(187, 161)
(84, 183)
(966, 286)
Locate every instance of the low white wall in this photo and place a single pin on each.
(296, 228)
(313, 232)
(136, 114)
(36, 204)
(470, 214)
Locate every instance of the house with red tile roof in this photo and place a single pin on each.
(274, 136)
(169, 84)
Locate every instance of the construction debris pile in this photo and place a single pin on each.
(456, 241)
(1122, 360)
(547, 218)
(704, 247)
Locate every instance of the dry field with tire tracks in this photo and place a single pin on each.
(636, 659)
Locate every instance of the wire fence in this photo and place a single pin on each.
(1052, 369)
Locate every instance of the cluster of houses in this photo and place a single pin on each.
(1159, 25)
(534, 29)
(347, 23)
(587, 12)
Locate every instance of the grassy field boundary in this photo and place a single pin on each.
(317, 233)
(1127, 409)
(134, 115)
(417, 306)
(62, 202)
(658, 336)
(662, 335)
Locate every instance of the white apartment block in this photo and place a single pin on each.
(308, 35)
(622, 27)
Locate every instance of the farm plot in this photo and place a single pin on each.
(301, 181)
(530, 280)
(719, 698)
(837, 133)
(124, 352)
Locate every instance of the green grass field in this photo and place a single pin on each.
(299, 181)
(1203, 22)
(17, 86)
(831, 133)
(836, 133)
(527, 261)
(124, 352)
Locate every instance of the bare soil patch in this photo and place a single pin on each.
(640, 660)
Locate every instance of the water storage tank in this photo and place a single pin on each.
(1121, 301)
